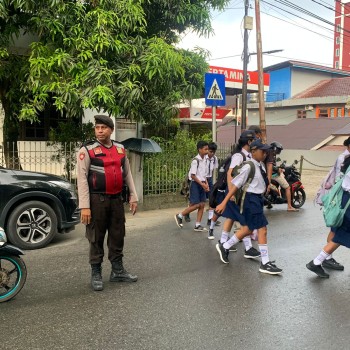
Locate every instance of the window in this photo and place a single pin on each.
(39, 131)
(338, 28)
(323, 113)
(337, 40)
(337, 52)
(336, 64)
(301, 113)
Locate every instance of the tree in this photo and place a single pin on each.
(113, 55)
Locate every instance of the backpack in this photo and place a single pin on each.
(240, 194)
(326, 184)
(333, 213)
(223, 169)
(185, 186)
(218, 193)
(331, 179)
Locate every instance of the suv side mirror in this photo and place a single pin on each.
(278, 159)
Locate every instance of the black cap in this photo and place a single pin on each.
(104, 119)
(247, 135)
(255, 128)
(257, 144)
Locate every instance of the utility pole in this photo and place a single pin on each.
(248, 21)
(260, 71)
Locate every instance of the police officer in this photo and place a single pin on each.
(103, 168)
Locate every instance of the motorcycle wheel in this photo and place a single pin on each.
(13, 275)
(298, 198)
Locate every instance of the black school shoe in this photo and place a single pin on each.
(187, 218)
(252, 253)
(178, 220)
(333, 264)
(317, 269)
(211, 234)
(222, 252)
(270, 268)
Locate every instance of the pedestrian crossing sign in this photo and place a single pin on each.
(215, 89)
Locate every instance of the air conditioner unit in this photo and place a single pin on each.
(309, 108)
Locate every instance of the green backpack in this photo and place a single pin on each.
(333, 213)
(240, 194)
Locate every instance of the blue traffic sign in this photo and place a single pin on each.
(215, 94)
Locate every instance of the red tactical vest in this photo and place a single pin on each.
(106, 168)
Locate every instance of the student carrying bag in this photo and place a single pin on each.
(333, 213)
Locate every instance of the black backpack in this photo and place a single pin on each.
(221, 183)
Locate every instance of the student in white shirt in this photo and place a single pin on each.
(253, 209)
(338, 235)
(198, 187)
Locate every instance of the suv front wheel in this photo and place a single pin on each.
(32, 225)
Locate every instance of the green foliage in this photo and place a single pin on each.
(112, 55)
(66, 139)
(167, 169)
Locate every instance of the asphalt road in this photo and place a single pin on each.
(186, 298)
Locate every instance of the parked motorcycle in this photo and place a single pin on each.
(13, 271)
(277, 195)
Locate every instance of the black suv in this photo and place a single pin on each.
(35, 206)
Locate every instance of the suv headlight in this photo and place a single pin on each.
(63, 184)
(3, 238)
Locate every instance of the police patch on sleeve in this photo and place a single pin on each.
(81, 155)
(120, 150)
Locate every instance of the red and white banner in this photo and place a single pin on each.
(234, 78)
(202, 114)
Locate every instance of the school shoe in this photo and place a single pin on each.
(270, 268)
(317, 269)
(223, 252)
(217, 223)
(333, 264)
(178, 220)
(200, 228)
(211, 234)
(187, 218)
(232, 248)
(252, 253)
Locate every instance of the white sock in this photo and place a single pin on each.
(211, 214)
(247, 242)
(329, 257)
(224, 237)
(264, 253)
(198, 224)
(232, 241)
(180, 216)
(320, 258)
(212, 224)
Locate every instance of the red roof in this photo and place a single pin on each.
(324, 88)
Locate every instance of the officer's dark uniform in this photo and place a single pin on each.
(102, 172)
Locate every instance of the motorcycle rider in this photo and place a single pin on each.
(278, 175)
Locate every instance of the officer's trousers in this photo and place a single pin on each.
(107, 214)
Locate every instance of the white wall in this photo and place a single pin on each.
(313, 160)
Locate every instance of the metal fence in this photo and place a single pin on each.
(165, 172)
(40, 156)
(162, 172)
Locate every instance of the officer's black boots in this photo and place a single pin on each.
(119, 274)
(96, 277)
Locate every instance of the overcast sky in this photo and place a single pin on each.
(299, 39)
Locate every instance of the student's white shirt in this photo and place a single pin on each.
(340, 161)
(237, 158)
(346, 182)
(257, 185)
(200, 168)
(212, 163)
